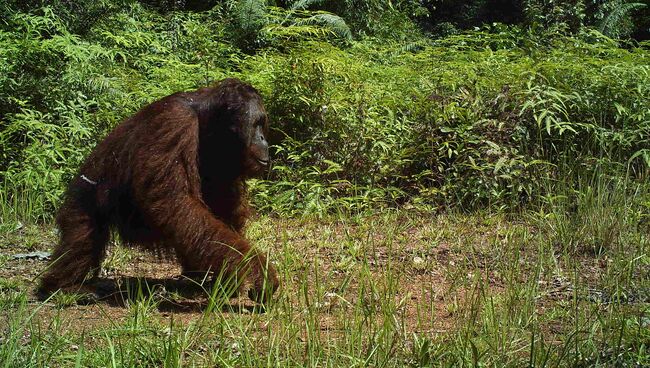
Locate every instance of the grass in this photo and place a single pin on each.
(390, 289)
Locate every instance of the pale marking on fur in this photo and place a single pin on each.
(88, 180)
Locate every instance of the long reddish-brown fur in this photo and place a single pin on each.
(170, 177)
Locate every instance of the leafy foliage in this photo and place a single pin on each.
(255, 25)
(616, 21)
(615, 18)
(474, 120)
(483, 118)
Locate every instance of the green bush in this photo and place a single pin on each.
(485, 118)
(474, 121)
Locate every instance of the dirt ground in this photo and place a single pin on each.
(433, 265)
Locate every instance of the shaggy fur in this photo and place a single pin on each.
(170, 177)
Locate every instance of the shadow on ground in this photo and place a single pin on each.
(174, 295)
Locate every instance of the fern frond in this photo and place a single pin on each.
(250, 14)
(412, 47)
(335, 23)
(303, 4)
(611, 23)
(296, 32)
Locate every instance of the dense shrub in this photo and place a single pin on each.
(483, 118)
(474, 120)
